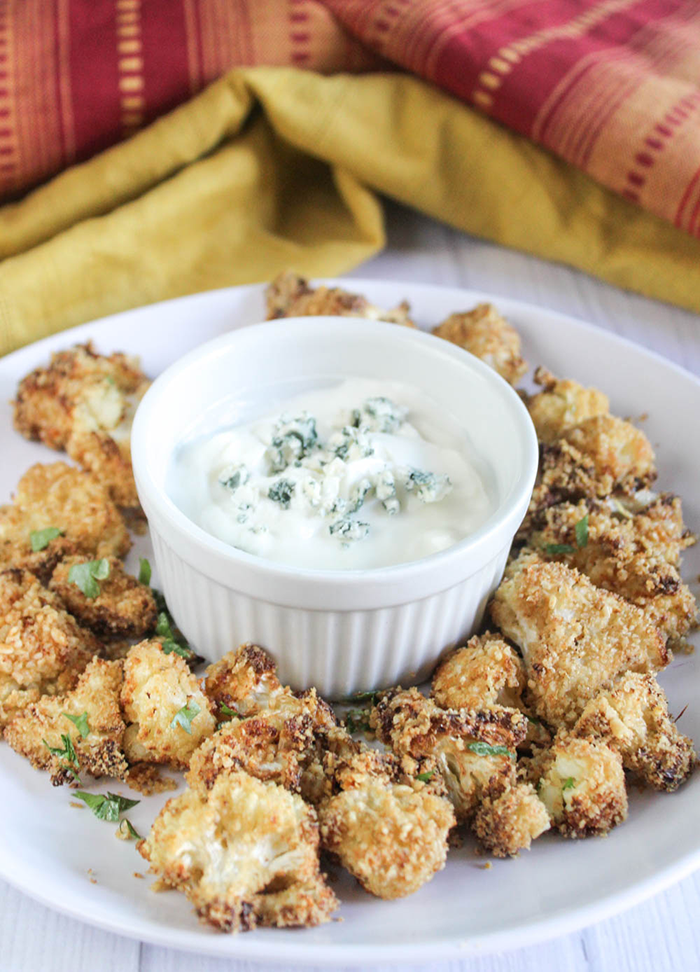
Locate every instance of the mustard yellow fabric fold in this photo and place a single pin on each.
(272, 168)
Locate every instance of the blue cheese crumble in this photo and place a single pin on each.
(363, 474)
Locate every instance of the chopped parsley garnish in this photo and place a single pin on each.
(569, 783)
(40, 539)
(106, 807)
(365, 696)
(144, 571)
(164, 628)
(426, 777)
(185, 716)
(67, 754)
(560, 548)
(80, 722)
(127, 830)
(357, 720)
(281, 492)
(86, 576)
(229, 712)
(581, 529)
(484, 749)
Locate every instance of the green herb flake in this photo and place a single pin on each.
(229, 712)
(484, 749)
(144, 571)
(560, 548)
(40, 539)
(569, 783)
(67, 754)
(164, 629)
(106, 807)
(80, 722)
(364, 696)
(356, 720)
(86, 576)
(426, 777)
(185, 716)
(127, 831)
(581, 529)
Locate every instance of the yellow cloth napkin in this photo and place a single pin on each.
(271, 168)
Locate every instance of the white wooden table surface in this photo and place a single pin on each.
(662, 934)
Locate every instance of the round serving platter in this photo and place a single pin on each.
(71, 861)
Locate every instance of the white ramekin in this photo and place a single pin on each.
(341, 631)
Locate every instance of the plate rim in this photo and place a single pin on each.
(523, 934)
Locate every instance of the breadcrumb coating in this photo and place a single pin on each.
(124, 608)
(290, 295)
(391, 837)
(582, 786)
(83, 402)
(508, 820)
(245, 853)
(99, 753)
(633, 719)
(157, 688)
(244, 680)
(486, 334)
(485, 672)
(470, 749)
(60, 496)
(562, 404)
(576, 639)
(43, 650)
(617, 449)
(618, 557)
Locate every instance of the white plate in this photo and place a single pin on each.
(48, 847)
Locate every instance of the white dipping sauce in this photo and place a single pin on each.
(363, 474)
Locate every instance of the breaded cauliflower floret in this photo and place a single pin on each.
(470, 749)
(617, 556)
(244, 852)
(83, 402)
(43, 650)
(561, 404)
(617, 449)
(509, 819)
(277, 744)
(69, 500)
(576, 639)
(583, 787)
(565, 475)
(633, 719)
(169, 715)
(391, 837)
(244, 680)
(123, 608)
(290, 295)
(659, 526)
(487, 335)
(485, 672)
(94, 702)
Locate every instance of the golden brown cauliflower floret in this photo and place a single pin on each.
(485, 334)
(290, 295)
(509, 819)
(617, 556)
(83, 402)
(583, 787)
(633, 719)
(244, 680)
(96, 738)
(69, 500)
(244, 852)
(617, 449)
(43, 650)
(485, 672)
(391, 837)
(576, 639)
(168, 714)
(469, 749)
(123, 608)
(561, 404)
(659, 526)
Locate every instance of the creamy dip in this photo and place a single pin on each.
(363, 474)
